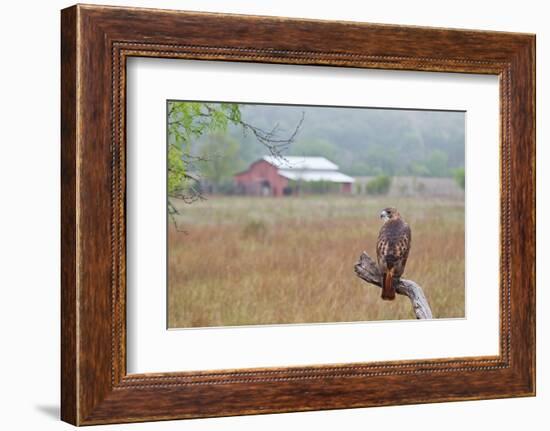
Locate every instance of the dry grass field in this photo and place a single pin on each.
(253, 260)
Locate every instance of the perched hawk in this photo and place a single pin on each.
(392, 250)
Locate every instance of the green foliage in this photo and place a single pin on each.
(382, 160)
(220, 158)
(356, 167)
(460, 178)
(379, 185)
(176, 169)
(437, 164)
(188, 121)
(314, 148)
(418, 169)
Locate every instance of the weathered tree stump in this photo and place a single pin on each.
(367, 270)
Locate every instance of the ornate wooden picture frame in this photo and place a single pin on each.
(96, 41)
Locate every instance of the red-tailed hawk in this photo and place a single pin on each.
(392, 250)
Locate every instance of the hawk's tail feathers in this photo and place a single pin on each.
(388, 292)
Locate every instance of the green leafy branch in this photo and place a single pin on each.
(188, 121)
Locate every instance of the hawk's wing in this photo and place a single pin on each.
(382, 246)
(393, 246)
(404, 244)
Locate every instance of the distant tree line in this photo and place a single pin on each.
(214, 141)
(368, 142)
(378, 160)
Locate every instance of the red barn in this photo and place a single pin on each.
(272, 176)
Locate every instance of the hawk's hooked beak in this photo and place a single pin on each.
(384, 215)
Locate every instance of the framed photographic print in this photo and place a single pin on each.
(265, 214)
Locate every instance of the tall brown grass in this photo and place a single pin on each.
(248, 261)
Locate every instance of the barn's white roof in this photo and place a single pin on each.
(330, 176)
(300, 168)
(302, 163)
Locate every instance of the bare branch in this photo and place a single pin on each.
(269, 139)
(367, 270)
(172, 212)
